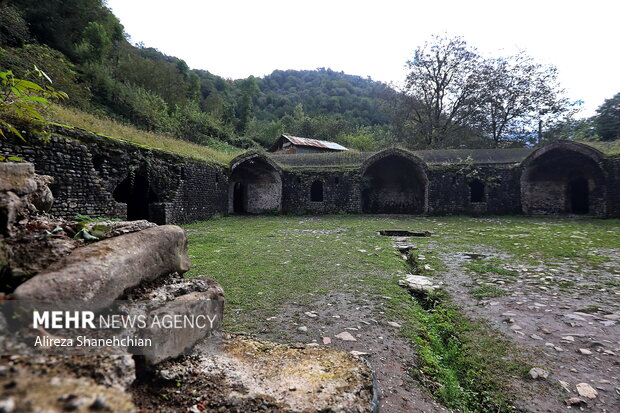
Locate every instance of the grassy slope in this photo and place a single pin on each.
(264, 263)
(611, 148)
(111, 128)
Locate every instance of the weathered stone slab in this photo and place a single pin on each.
(205, 301)
(99, 273)
(257, 375)
(418, 284)
(17, 177)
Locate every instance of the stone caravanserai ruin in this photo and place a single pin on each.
(98, 176)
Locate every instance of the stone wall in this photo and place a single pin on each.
(341, 192)
(99, 176)
(450, 189)
(92, 174)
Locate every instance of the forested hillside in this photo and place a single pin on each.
(83, 48)
(81, 45)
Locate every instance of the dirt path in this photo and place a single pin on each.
(572, 326)
(388, 354)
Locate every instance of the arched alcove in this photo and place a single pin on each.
(136, 192)
(564, 178)
(476, 191)
(394, 182)
(316, 191)
(255, 186)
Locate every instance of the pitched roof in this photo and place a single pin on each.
(295, 140)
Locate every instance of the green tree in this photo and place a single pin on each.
(442, 88)
(95, 44)
(608, 119)
(248, 89)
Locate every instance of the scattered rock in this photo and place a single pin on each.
(358, 353)
(585, 351)
(418, 284)
(587, 391)
(303, 329)
(538, 373)
(7, 405)
(327, 340)
(311, 314)
(100, 405)
(575, 401)
(393, 324)
(345, 336)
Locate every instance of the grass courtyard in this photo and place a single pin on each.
(276, 269)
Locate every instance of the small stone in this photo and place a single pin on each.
(327, 340)
(358, 353)
(575, 401)
(545, 330)
(536, 337)
(587, 391)
(100, 405)
(515, 327)
(564, 385)
(558, 349)
(7, 405)
(585, 351)
(292, 388)
(538, 373)
(303, 329)
(393, 324)
(194, 409)
(312, 345)
(310, 314)
(346, 336)
(568, 338)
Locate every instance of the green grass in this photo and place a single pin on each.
(265, 264)
(114, 130)
(611, 148)
(487, 291)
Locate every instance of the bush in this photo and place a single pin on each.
(193, 125)
(21, 60)
(13, 28)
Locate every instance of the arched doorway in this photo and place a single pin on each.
(255, 186)
(316, 191)
(136, 192)
(563, 178)
(239, 198)
(579, 196)
(394, 183)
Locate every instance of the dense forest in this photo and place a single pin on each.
(83, 48)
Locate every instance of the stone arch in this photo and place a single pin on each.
(394, 181)
(564, 178)
(255, 185)
(137, 194)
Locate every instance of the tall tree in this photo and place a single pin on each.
(608, 119)
(454, 97)
(518, 98)
(442, 88)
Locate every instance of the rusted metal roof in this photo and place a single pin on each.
(295, 140)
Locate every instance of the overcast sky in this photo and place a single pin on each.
(238, 38)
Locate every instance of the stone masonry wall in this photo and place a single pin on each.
(89, 171)
(449, 190)
(341, 192)
(88, 168)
